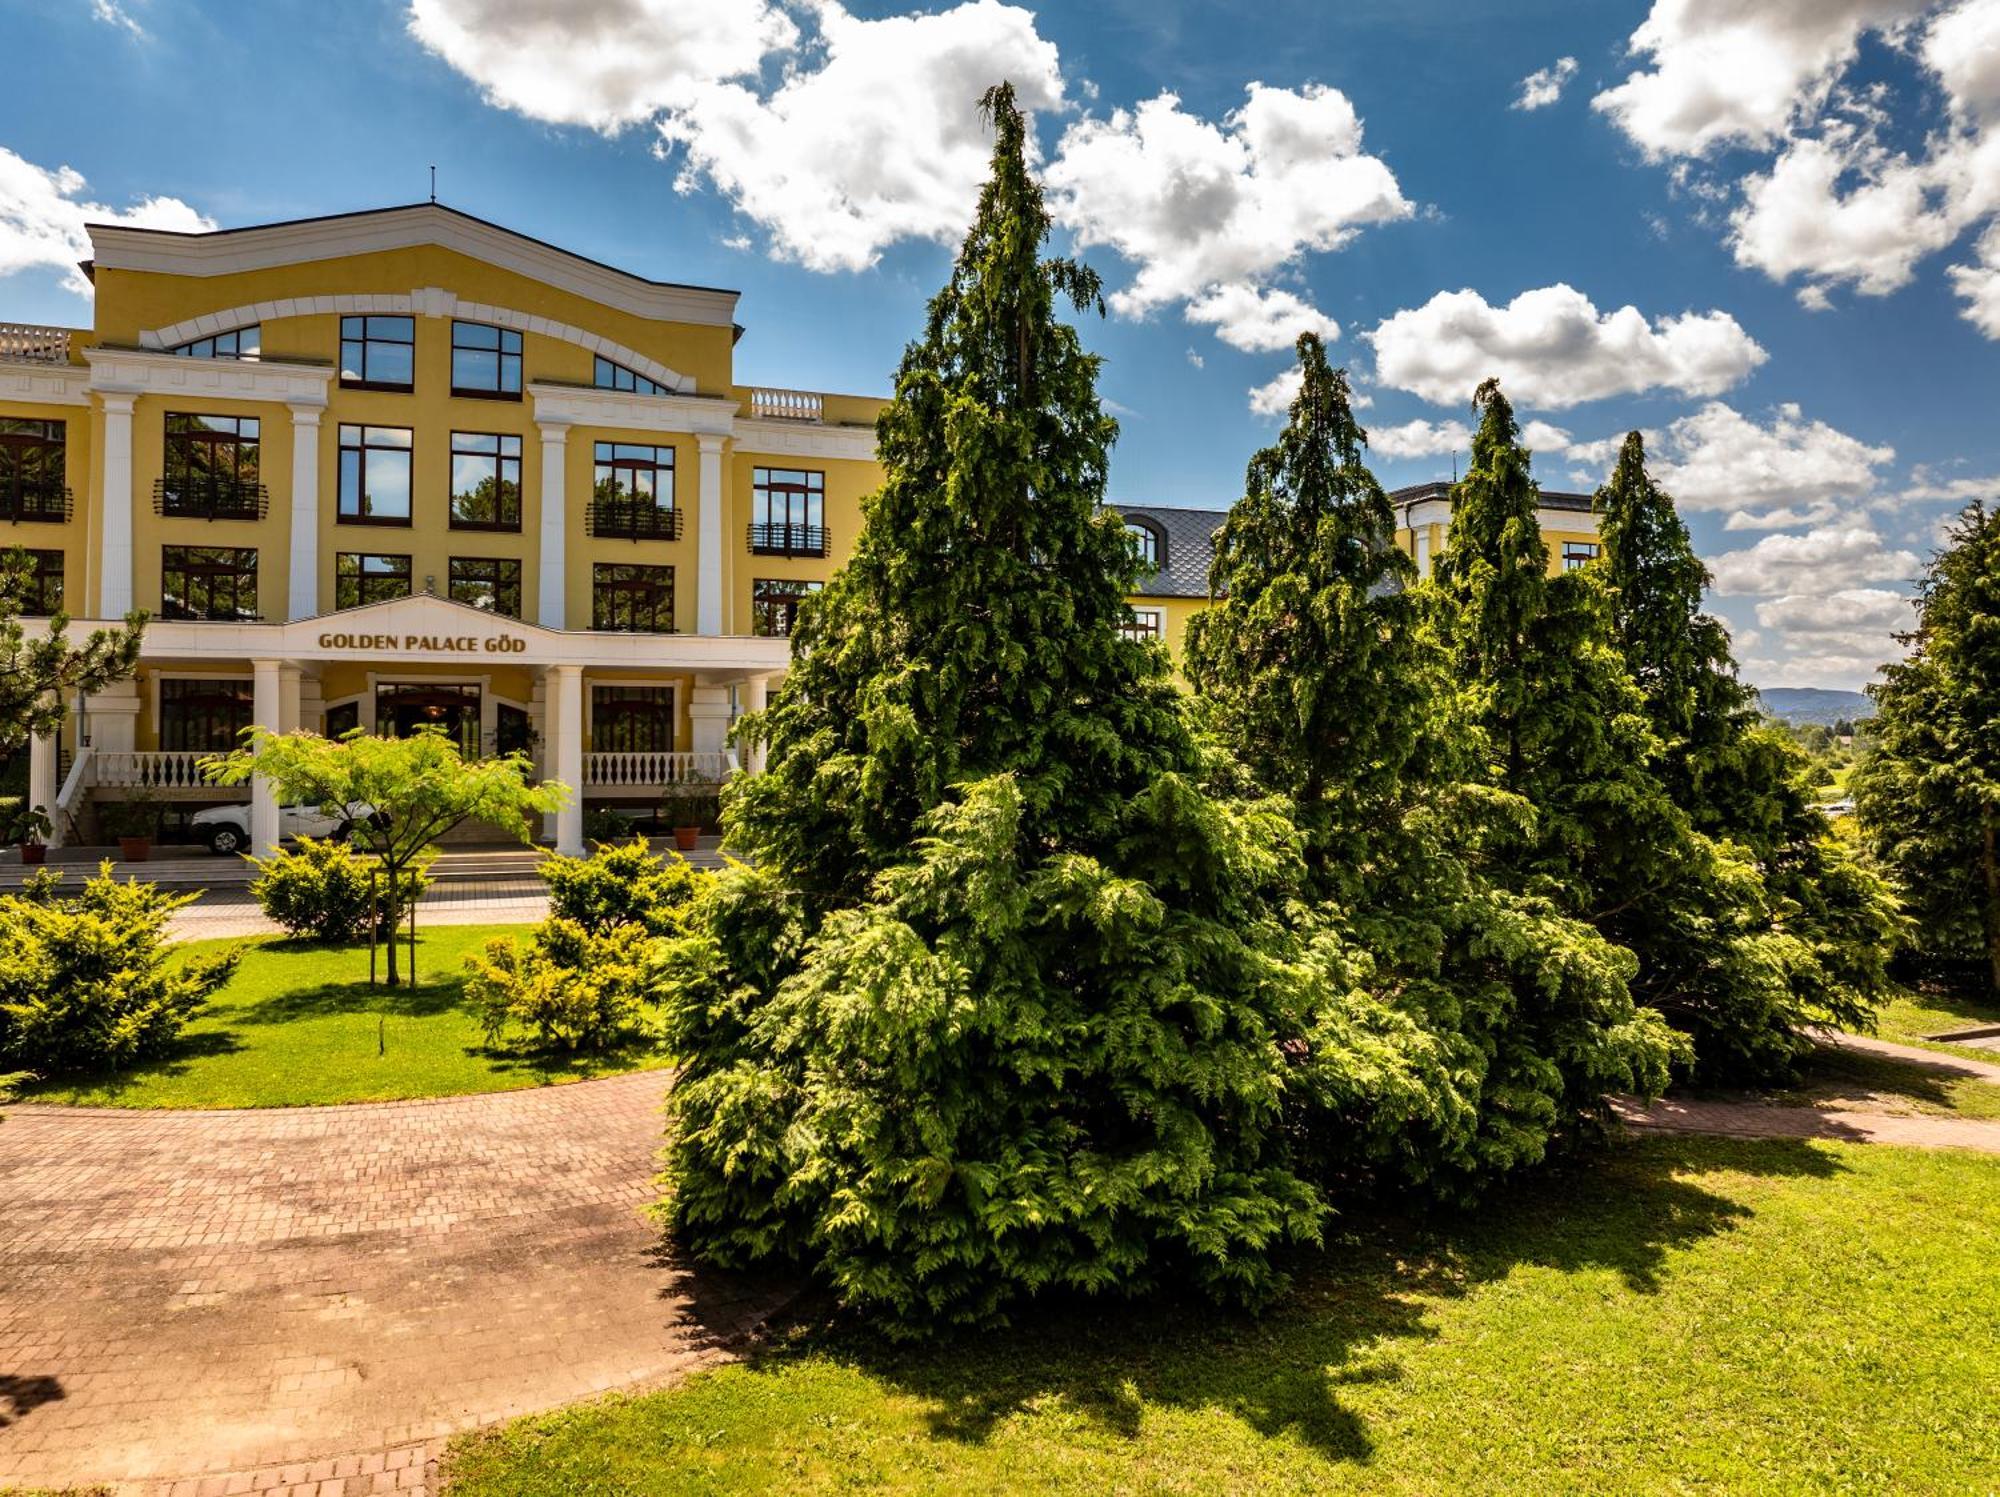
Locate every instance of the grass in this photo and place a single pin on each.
(1882, 1083)
(1936, 1007)
(298, 1024)
(1684, 1314)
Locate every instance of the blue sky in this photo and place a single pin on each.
(1763, 232)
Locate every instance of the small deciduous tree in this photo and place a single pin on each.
(1928, 796)
(40, 668)
(419, 788)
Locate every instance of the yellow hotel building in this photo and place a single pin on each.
(407, 466)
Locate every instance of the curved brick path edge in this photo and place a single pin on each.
(312, 1299)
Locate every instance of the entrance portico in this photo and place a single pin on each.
(661, 705)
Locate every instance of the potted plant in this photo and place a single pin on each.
(132, 822)
(691, 814)
(29, 828)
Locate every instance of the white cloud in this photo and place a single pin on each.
(1542, 436)
(42, 219)
(1785, 518)
(1821, 561)
(1551, 347)
(1193, 204)
(1257, 320)
(1275, 396)
(1962, 46)
(111, 14)
(881, 141)
(1927, 486)
(1859, 611)
(1979, 285)
(602, 63)
(1833, 638)
(1419, 439)
(1737, 71)
(1718, 458)
(1544, 86)
(1196, 359)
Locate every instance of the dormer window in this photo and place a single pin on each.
(243, 343)
(1151, 543)
(610, 376)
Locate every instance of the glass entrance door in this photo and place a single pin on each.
(401, 707)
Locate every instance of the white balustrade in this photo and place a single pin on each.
(647, 770)
(786, 405)
(174, 770)
(27, 342)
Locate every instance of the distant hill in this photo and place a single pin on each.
(1812, 704)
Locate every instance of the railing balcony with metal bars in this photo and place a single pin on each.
(632, 520)
(30, 343)
(787, 540)
(210, 497)
(44, 500)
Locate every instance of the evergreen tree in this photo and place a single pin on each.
(1326, 679)
(1928, 796)
(1811, 927)
(1003, 1005)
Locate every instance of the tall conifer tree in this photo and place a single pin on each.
(1001, 1005)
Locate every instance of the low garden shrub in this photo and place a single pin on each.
(583, 980)
(87, 980)
(323, 891)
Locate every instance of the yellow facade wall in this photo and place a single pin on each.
(74, 536)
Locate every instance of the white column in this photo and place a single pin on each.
(114, 718)
(1423, 550)
(267, 712)
(42, 786)
(708, 719)
(552, 612)
(288, 699)
(756, 696)
(566, 752)
(114, 583)
(302, 591)
(708, 581)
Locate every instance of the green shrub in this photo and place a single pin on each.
(602, 824)
(623, 883)
(324, 890)
(566, 988)
(87, 980)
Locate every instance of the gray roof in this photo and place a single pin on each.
(1186, 542)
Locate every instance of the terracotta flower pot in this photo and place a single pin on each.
(687, 837)
(34, 853)
(135, 849)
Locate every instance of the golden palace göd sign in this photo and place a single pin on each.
(427, 644)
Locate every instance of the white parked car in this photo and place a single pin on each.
(226, 829)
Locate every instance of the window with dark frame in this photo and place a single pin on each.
(213, 468)
(1578, 554)
(203, 716)
(1148, 540)
(242, 343)
(33, 481)
(378, 353)
(774, 604)
(374, 475)
(213, 584)
(485, 481)
(632, 492)
(631, 719)
(363, 577)
(342, 718)
(485, 361)
(1146, 623)
(788, 512)
(630, 599)
(607, 375)
(491, 583)
(42, 593)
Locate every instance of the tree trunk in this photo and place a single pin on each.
(1990, 865)
(393, 908)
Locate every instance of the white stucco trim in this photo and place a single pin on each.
(133, 372)
(678, 414)
(266, 246)
(803, 439)
(425, 301)
(1438, 512)
(48, 384)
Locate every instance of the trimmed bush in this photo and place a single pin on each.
(623, 883)
(87, 980)
(323, 891)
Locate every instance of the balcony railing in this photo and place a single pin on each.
(178, 769)
(210, 497)
(623, 519)
(787, 405)
(26, 343)
(650, 770)
(788, 540)
(35, 499)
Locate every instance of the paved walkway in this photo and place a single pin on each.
(494, 901)
(1966, 1066)
(310, 1300)
(1761, 1120)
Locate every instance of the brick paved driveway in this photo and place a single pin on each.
(296, 1295)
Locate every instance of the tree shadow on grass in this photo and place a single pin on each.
(427, 1000)
(1353, 1306)
(1831, 1075)
(549, 1067)
(186, 1051)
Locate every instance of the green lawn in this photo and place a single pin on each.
(1836, 1078)
(299, 1024)
(1686, 1314)
(1936, 1008)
